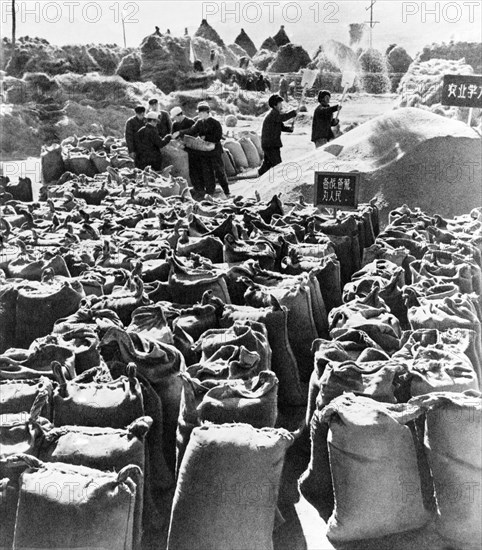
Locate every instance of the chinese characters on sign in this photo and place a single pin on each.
(337, 189)
(462, 90)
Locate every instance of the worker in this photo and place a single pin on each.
(205, 167)
(273, 125)
(214, 58)
(260, 84)
(283, 88)
(164, 124)
(179, 120)
(149, 143)
(321, 132)
(133, 125)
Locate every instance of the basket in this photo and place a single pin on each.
(198, 144)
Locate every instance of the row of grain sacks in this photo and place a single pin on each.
(242, 154)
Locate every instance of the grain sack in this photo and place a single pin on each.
(105, 449)
(254, 137)
(52, 163)
(283, 360)
(175, 156)
(20, 395)
(454, 447)
(40, 305)
(111, 404)
(78, 163)
(66, 506)
(239, 156)
(229, 164)
(8, 508)
(301, 325)
(231, 121)
(228, 488)
(374, 469)
(101, 161)
(251, 152)
(252, 401)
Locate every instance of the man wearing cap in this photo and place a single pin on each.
(321, 132)
(273, 125)
(133, 125)
(164, 124)
(206, 166)
(179, 120)
(149, 144)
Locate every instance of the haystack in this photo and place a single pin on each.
(107, 56)
(281, 38)
(165, 61)
(238, 50)
(289, 59)
(269, 44)
(206, 31)
(202, 50)
(421, 85)
(405, 156)
(129, 67)
(263, 59)
(374, 72)
(80, 60)
(246, 43)
(470, 51)
(329, 74)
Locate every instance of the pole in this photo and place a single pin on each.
(371, 22)
(471, 111)
(124, 32)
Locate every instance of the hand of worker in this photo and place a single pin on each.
(132, 155)
(175, 135)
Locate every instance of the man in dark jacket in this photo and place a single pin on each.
(164, 124)
(271, 133)
(149, 144)
(133, 125)
(321, 132)
(206, 166)
(179, 120)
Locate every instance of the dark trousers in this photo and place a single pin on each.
(204, 169)
(272, 157)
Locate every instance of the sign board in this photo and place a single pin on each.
(462, 90)
(337, 189)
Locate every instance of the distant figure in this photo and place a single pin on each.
(321, 132)
(250, 84)
(198, 66)
(244, 62)
(133, 125)
(164, 124)
(214, 58)
(179, 120)
(292, 88)
(168, 31)
(267, 83)
(185, 32)
(149, 144)
(261, 84)
(283, 87)
(273, 125)
(158, 31)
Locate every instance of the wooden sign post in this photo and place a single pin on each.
(462, 91)
(337, 190)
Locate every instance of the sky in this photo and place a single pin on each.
(309, 23)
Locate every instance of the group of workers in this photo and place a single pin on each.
(151, 129)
